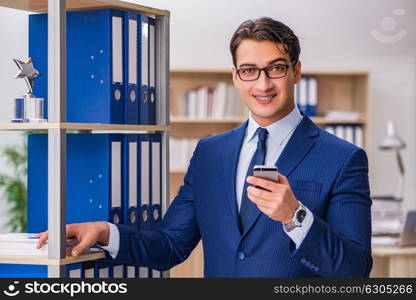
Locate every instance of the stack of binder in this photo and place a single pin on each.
(306, 95)
(111, 65)
(110, 177)
(217, 102)
(350, 133)
(111, 78)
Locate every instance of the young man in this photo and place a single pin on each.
(314, 222)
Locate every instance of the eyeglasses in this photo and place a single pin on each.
(273, 71)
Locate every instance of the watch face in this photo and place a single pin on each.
(300, 216)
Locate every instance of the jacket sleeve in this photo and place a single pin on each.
(340, 245)
(173, 239)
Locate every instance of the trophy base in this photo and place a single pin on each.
(29, 110)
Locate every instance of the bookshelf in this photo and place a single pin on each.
(337, 90)
(393, 262)
(57, 127)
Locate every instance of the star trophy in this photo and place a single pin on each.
(29, 108)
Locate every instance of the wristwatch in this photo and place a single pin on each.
(298, 218)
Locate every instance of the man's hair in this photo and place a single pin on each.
(266, 29)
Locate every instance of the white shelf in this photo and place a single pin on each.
(177, 119)
(42, 6)
(82, 127)
(44, 260)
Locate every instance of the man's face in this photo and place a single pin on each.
(269, 100)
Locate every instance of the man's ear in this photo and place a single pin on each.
(234, 75)
(297, 71)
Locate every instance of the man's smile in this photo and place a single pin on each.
(264, 99)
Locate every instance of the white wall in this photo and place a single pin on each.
(13, 44)
(334, 35)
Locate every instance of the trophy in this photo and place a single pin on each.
(29, 108)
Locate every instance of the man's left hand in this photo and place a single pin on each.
(276, 200)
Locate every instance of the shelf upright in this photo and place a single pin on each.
(56, 137)
(162, 92)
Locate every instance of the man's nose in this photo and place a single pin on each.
(264, 82)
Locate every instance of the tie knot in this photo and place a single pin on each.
(262, 134)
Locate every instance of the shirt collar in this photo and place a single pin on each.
(277, 130)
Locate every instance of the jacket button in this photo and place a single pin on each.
(303, 260)
(316, 269)
(241, 255)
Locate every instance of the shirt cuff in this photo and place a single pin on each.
(113, 241)
(298, 234)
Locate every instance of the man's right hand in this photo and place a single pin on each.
(87, 234)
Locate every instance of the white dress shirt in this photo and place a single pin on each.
(279, 135)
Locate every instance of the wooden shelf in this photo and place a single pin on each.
(304, 72)
(177, 171)
(193, 121)
(317, 120)
(89, 127)
(326, 121)
(384, 251)
(44, 260)
(42, 6)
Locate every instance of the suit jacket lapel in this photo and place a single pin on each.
(298, 147)
(300, 143)
(230, 160)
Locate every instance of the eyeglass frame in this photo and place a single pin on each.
(291, 64)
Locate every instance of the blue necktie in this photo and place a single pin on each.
(247, 206)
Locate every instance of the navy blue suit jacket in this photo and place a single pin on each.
(327, 174)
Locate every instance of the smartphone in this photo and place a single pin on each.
(266, 172)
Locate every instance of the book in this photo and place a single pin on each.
(25, 244)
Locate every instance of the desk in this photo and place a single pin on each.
(390, 261)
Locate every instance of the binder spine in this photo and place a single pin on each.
(102, 269)
(131, 180)
(116, 212)
(312, 96)
(117, 271)
(144, 90)
(132, 272)
(74, 271)
(152, 71)
(145, 218)
(131, 110)
(88, 269)
(117, 86)
(156, 193)
(156, 171)
(303, 94)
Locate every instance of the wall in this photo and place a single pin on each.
(334, 35)
(13, 44)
